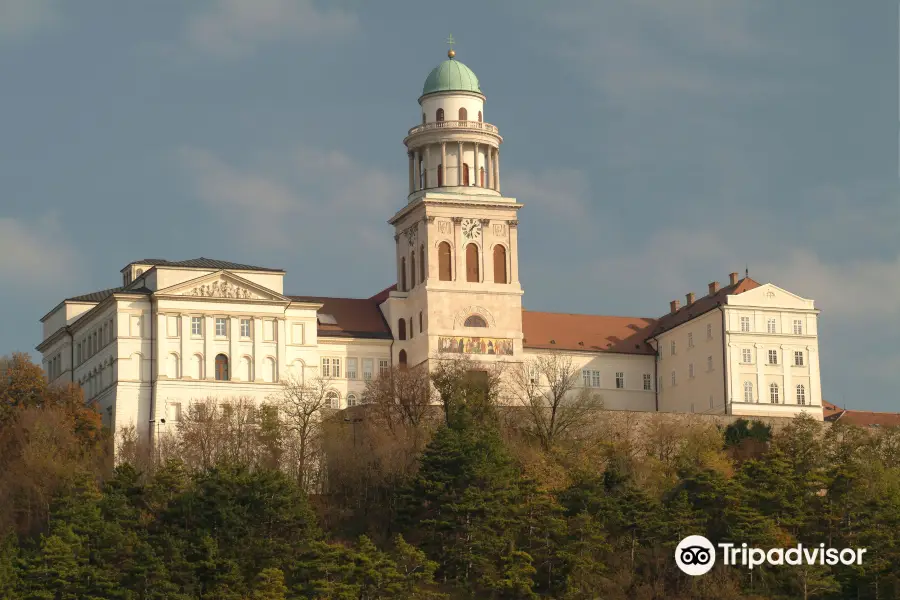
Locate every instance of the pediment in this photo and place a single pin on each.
(222, 285)
(771, 296)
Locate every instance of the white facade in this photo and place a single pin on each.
(178, 332)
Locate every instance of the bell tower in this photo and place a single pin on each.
(458, 290)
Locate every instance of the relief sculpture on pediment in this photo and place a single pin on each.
(221, 289)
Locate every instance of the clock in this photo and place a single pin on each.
(471, 228)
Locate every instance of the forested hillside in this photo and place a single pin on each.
(430, 490)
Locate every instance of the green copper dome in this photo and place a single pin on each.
(451, 76)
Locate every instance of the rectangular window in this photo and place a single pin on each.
(383, 366)
(673, 377)
(709, 331)
(591, 378)
(534, 374)
(672, 347)
(648, 382)
(746, 356)
(620, 380)
(659, 383)
(221, 327)
(245, 328)
(351, 368)
(690, 340)
(773, 357)
(745, 323)
(335, 367)
(196, 325)
(709, 365)
(691, 370)
(770, 326)
(368, 368)
(297, 333)
(798, 358)
(268, 330)
(798, 327)
(326, 367)
(175, 411)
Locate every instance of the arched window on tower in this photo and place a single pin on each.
(422, 263)
(479, 117)
(401, 329)
(412, 330)
(423, 119)
(475, 321)
(221, 367)
(412, 268)
(421, 174)
(465, 174)
(440, 175)
(445, 270)
(500, 264)
(402, 273)
(481, 176)
(463, 114)
(401, 358)
(440, 115)
(472, 263)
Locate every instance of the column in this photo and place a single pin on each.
(475, 162)
(183, 341)
(488, 173)
(161, 338)
(513, 251)
(234, 334)
(281, 359)
(497, 170)
(458, 252)
(257, 326)
(427, 165)
(411, 171)
(761, 391)
(459, 165)
(209, 359)
(417, 182)
(790, 394)
(444, 163)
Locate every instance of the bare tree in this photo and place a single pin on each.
(555, 406)
(201, 433)
(304, 405)
(462, 381)
(401, 399)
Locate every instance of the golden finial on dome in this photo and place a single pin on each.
(451, 52)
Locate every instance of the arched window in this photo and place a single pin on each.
(463, 114)
(748, 391)
(401, 329)
(412, 268)
(481, 176)
(440, 175)
(173, 366)
(270, 372)
(352, 400)
(479, 116)
(221, 367)
(440, 115)
(423, 119)
(246, 372)
(402, 273)
(412, 330)
(472, 263)
(422, 263)
(465, 174)
(773, 393)
(197, 366)
(475, 321)
(801, 394)
(401, 358)
(333, 399)
(445, 271)
(421, 325)
(499, 264)
(421, 174)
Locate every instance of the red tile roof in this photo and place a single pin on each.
(860, 418)
(591, 333)
(356, 317)
(701, 306)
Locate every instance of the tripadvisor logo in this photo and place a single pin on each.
(696, 555)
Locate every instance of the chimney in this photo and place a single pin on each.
(713, 287)
(689, 298)
(733, 278)
(673, 306)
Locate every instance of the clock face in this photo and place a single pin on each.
(471, 228)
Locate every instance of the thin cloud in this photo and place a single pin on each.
(22, 18)
(36, 253)
(230, 28)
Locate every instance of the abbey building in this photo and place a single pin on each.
(178, 331)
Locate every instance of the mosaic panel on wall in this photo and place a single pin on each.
(476, 345)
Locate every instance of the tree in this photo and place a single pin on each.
(547, 387)
(304, 404)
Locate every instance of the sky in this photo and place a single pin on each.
(656, 146)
